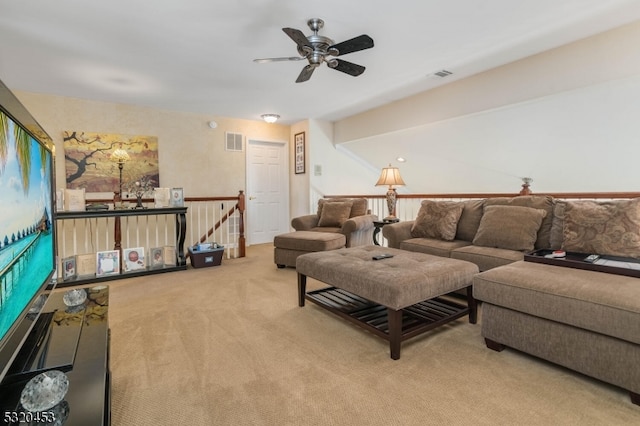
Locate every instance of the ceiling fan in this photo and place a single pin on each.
(318, 49)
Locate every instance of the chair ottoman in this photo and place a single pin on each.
(291, 245)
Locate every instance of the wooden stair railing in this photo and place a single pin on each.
(240, 207)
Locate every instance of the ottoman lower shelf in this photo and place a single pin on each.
(414, 320)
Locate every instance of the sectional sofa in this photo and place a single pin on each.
(584, 320)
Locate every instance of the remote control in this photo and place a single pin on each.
(382, 256)
(591, 258)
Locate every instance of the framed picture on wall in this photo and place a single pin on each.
(299, 152)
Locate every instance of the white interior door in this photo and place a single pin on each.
(267, 191)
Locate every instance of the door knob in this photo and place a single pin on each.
(251, 198)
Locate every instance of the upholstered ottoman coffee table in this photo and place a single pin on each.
(395, 298)
(291, 245)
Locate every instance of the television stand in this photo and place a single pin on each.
(73, 341)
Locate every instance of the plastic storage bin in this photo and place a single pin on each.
(202, 258)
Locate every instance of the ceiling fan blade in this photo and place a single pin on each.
(346, 67)
(305, 74)
(299, 37)
(290, 58)
(355, 44)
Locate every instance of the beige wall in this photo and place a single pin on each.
(191, 154)
(299, 184)
(566, 118)
(594, 60)
(351, 152)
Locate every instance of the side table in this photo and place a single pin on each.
(378, 225)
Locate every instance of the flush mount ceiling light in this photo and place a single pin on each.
(270, 118)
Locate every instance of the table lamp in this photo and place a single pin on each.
(119, 156)
(391, 176)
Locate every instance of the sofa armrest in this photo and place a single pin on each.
(396, 233)
(359, 223)
(359, 230)
(305, 223)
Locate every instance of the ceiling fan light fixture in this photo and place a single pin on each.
(316, 49)
(270, 118)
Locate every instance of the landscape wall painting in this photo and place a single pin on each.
(88, 164)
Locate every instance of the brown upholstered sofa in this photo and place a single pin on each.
(348, 216)
(584, 320)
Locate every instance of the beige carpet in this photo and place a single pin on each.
(228, 345)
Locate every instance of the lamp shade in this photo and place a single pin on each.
(390, 176)
(120, 156)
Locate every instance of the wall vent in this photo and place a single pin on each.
(443, 73)
(234, 142)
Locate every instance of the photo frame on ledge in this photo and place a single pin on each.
(299, 152)
(107, 262)
(69, 270)
(177, 197)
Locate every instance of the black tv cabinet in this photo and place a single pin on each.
(88, 398)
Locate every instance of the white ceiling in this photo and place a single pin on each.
(196, 55)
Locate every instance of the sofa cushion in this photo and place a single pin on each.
(437, 219)
(486, 257)
(509, 227)
(543, 202)
(596, 301)
(469, 219)
(328, 229)
(358, 207)
(335, 214)
(610, 228)
(432, 246)
(309, 241)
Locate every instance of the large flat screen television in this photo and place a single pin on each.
(27, 237)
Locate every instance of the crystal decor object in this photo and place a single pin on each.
(74, 297)
(44, 391)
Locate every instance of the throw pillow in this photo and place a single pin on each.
(437, 219)
(469, 219)
(509, 227)
(609, 227)
(334, 214)
(543, 202)
(557, 226)
(359, 206)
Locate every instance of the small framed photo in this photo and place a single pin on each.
(156, 258)
(69, 269)
(177, 198)
(86, 264)
(169, 255)
(133, 259)
(299, 152)
(161, 197)
(107, 263)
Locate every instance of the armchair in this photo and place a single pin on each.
(348, 216)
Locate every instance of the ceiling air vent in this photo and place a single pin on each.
(443, 73)
(233, 142)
